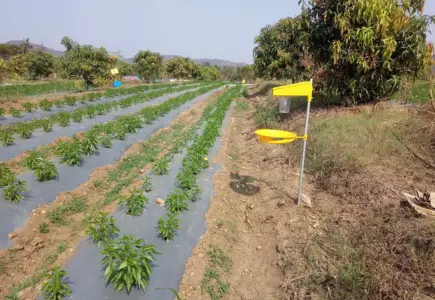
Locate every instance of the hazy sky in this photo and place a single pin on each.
(223, 29)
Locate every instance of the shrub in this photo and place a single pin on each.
(14, 190)
(70, 152)
(135, 203)
(102, 228)
(166, 228)
(127, 262)
(177, 201)
(55, 288)
(43, 228)
(45, 170)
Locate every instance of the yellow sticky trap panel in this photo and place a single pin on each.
(304, 89)
(272, 136)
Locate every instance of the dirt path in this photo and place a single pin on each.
(246, 228)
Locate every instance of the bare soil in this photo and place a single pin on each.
(357, 241)
(33, 251)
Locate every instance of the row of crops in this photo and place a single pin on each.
(25, 129)
(128, 261)
(13, 91)
(73, 152)
(95, 144)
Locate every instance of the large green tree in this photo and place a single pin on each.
(182, 68)
(85, 61)
(40, 64)
(209, 73)
(366, 47)
(281, 50)
(150, 65)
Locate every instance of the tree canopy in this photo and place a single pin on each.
(150, 65)
(182, 68)
(358, 50)
(40, 64)
(85, 61)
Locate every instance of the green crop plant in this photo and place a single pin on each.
(130, 124)
(186, 180)
(43, 228)
(70, 152)
(29, 107)
(7, 137)
(64, 119)
(2, 112)
(24, 130)
(55, 287)
(59, 103)
(147, 185)
(127, 263)
(161, 166)
(14, 190)
(16, 113)
(47, 125)
(77, 116)
(33, 159)
(177, 201)
(45, 105)
(70, 100)
(106, 141)
(102, 228)
(166, 228)
(89, 144)
(120, 133)
(6, 175)
(91, 112)
(45, 170)
(195, 192)
(135, 203)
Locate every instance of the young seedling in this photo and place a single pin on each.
(2, 112)
(77, 116)
(90, 112)
(47, 125)
(106, 141)
(15, 113)
(90, 143)
(29, 107)
(177, 201)
(186, 180)
(6, 175)
(33, 159)
(70, 152)
(70, 100)
(43, 228)
(127, 263)
(161, 166)
(24, 130)
(64, 119)
(45, 170)
(55, 288)
(45, 105)
(147, 185)
(14, 190)
(7, 137)
(102, 229)
(59, 103)
(135, 203)
(167, 228)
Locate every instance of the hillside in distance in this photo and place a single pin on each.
(211, 61)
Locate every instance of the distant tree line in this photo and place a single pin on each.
(356, 51)
(92, 65)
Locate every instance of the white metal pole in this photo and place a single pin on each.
(304, 150)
